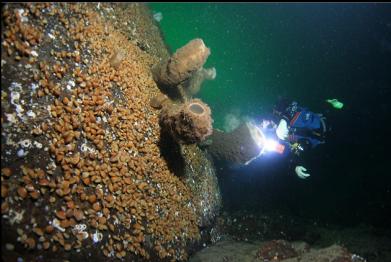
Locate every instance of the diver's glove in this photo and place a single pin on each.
(282, 130)
(300, 172)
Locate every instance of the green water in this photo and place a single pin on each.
(262, 51)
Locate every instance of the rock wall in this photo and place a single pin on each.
(84, 171)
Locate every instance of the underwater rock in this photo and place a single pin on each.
(227, 250)
(82, 172)
(182, 64)
(200, 176)
(274, 250)
(235, 148)
(136, 22)
(188, 122)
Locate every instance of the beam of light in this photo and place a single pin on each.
(270, 145)
(264, 144)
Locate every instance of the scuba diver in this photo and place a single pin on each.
(298, 130)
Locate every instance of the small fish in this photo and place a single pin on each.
(335, 103)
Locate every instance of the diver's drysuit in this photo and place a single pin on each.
(305, 127)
